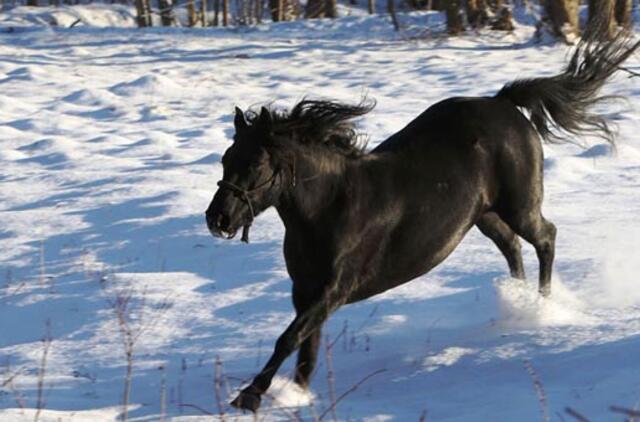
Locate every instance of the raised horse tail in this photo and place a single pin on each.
(560, 105)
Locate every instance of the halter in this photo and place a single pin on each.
(243, 194)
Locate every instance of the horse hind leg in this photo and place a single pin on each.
(520, 202)
(541, 233)
(307, 357)
(492, 226)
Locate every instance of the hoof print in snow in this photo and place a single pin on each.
(247, 400)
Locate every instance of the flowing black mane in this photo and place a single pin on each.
(319, 122)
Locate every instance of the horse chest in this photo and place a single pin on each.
(307, 260)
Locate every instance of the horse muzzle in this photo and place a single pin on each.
(220, 225)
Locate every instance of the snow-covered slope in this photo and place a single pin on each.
(110, 143)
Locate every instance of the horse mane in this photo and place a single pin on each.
(319, 122)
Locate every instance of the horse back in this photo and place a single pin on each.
(460, 121)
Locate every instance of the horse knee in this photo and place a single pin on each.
(546, 241)
(514, 245)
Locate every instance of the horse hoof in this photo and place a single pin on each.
(247, 400)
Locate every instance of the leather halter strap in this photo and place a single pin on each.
(243, 194)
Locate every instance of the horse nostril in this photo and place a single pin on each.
(222, 221)
(212, 219)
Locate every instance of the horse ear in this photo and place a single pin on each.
(239, 121)
(265, 117)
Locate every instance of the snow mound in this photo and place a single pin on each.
(145, 85)
(287, 393)
(24, 73)
(522, 306)
(447, 357)
(96, 15)
(90, 97)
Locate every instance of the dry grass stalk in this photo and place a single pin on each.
(423, 416)
(163, 395)
(9, 383)
(42, 272)
(575, 414)
(331, 381)
(42, 370)
(349, 391)
(130, 329)
(537, 385)
(217, 383)
(198, 408)
(632, 413)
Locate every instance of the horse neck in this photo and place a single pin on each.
(319, 179)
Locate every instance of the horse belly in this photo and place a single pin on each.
(408, 256)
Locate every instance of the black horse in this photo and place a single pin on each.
(358, 224)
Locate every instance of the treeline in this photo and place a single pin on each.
(561, 16)
(558, 17)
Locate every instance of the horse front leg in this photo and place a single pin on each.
(250, 397)
(303, 326)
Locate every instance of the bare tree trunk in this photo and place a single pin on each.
(203, 13)
(259, 10)
(166, 12)
(504, 20)
(33, 3)
(623, 13)
(331, 9)
(563, 18)
(216, 12)
(372, 6)
(141, 17)
(281, 6)
(285, 10)
(253, 7)
(225, 12)
(602, 22)
(315, 9)
(242, 12)
(454, 17)
(477, 13)
(274, 9)
(497, 5)
(191, 13)
(147, 12)
(392, 11)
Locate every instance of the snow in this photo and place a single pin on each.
(111, 141)
(93, 15)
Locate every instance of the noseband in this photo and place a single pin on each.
(243, 194)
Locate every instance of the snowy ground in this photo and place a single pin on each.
(110, 148)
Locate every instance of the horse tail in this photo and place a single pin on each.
(559, 106)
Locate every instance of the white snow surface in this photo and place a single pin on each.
(110, 151)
